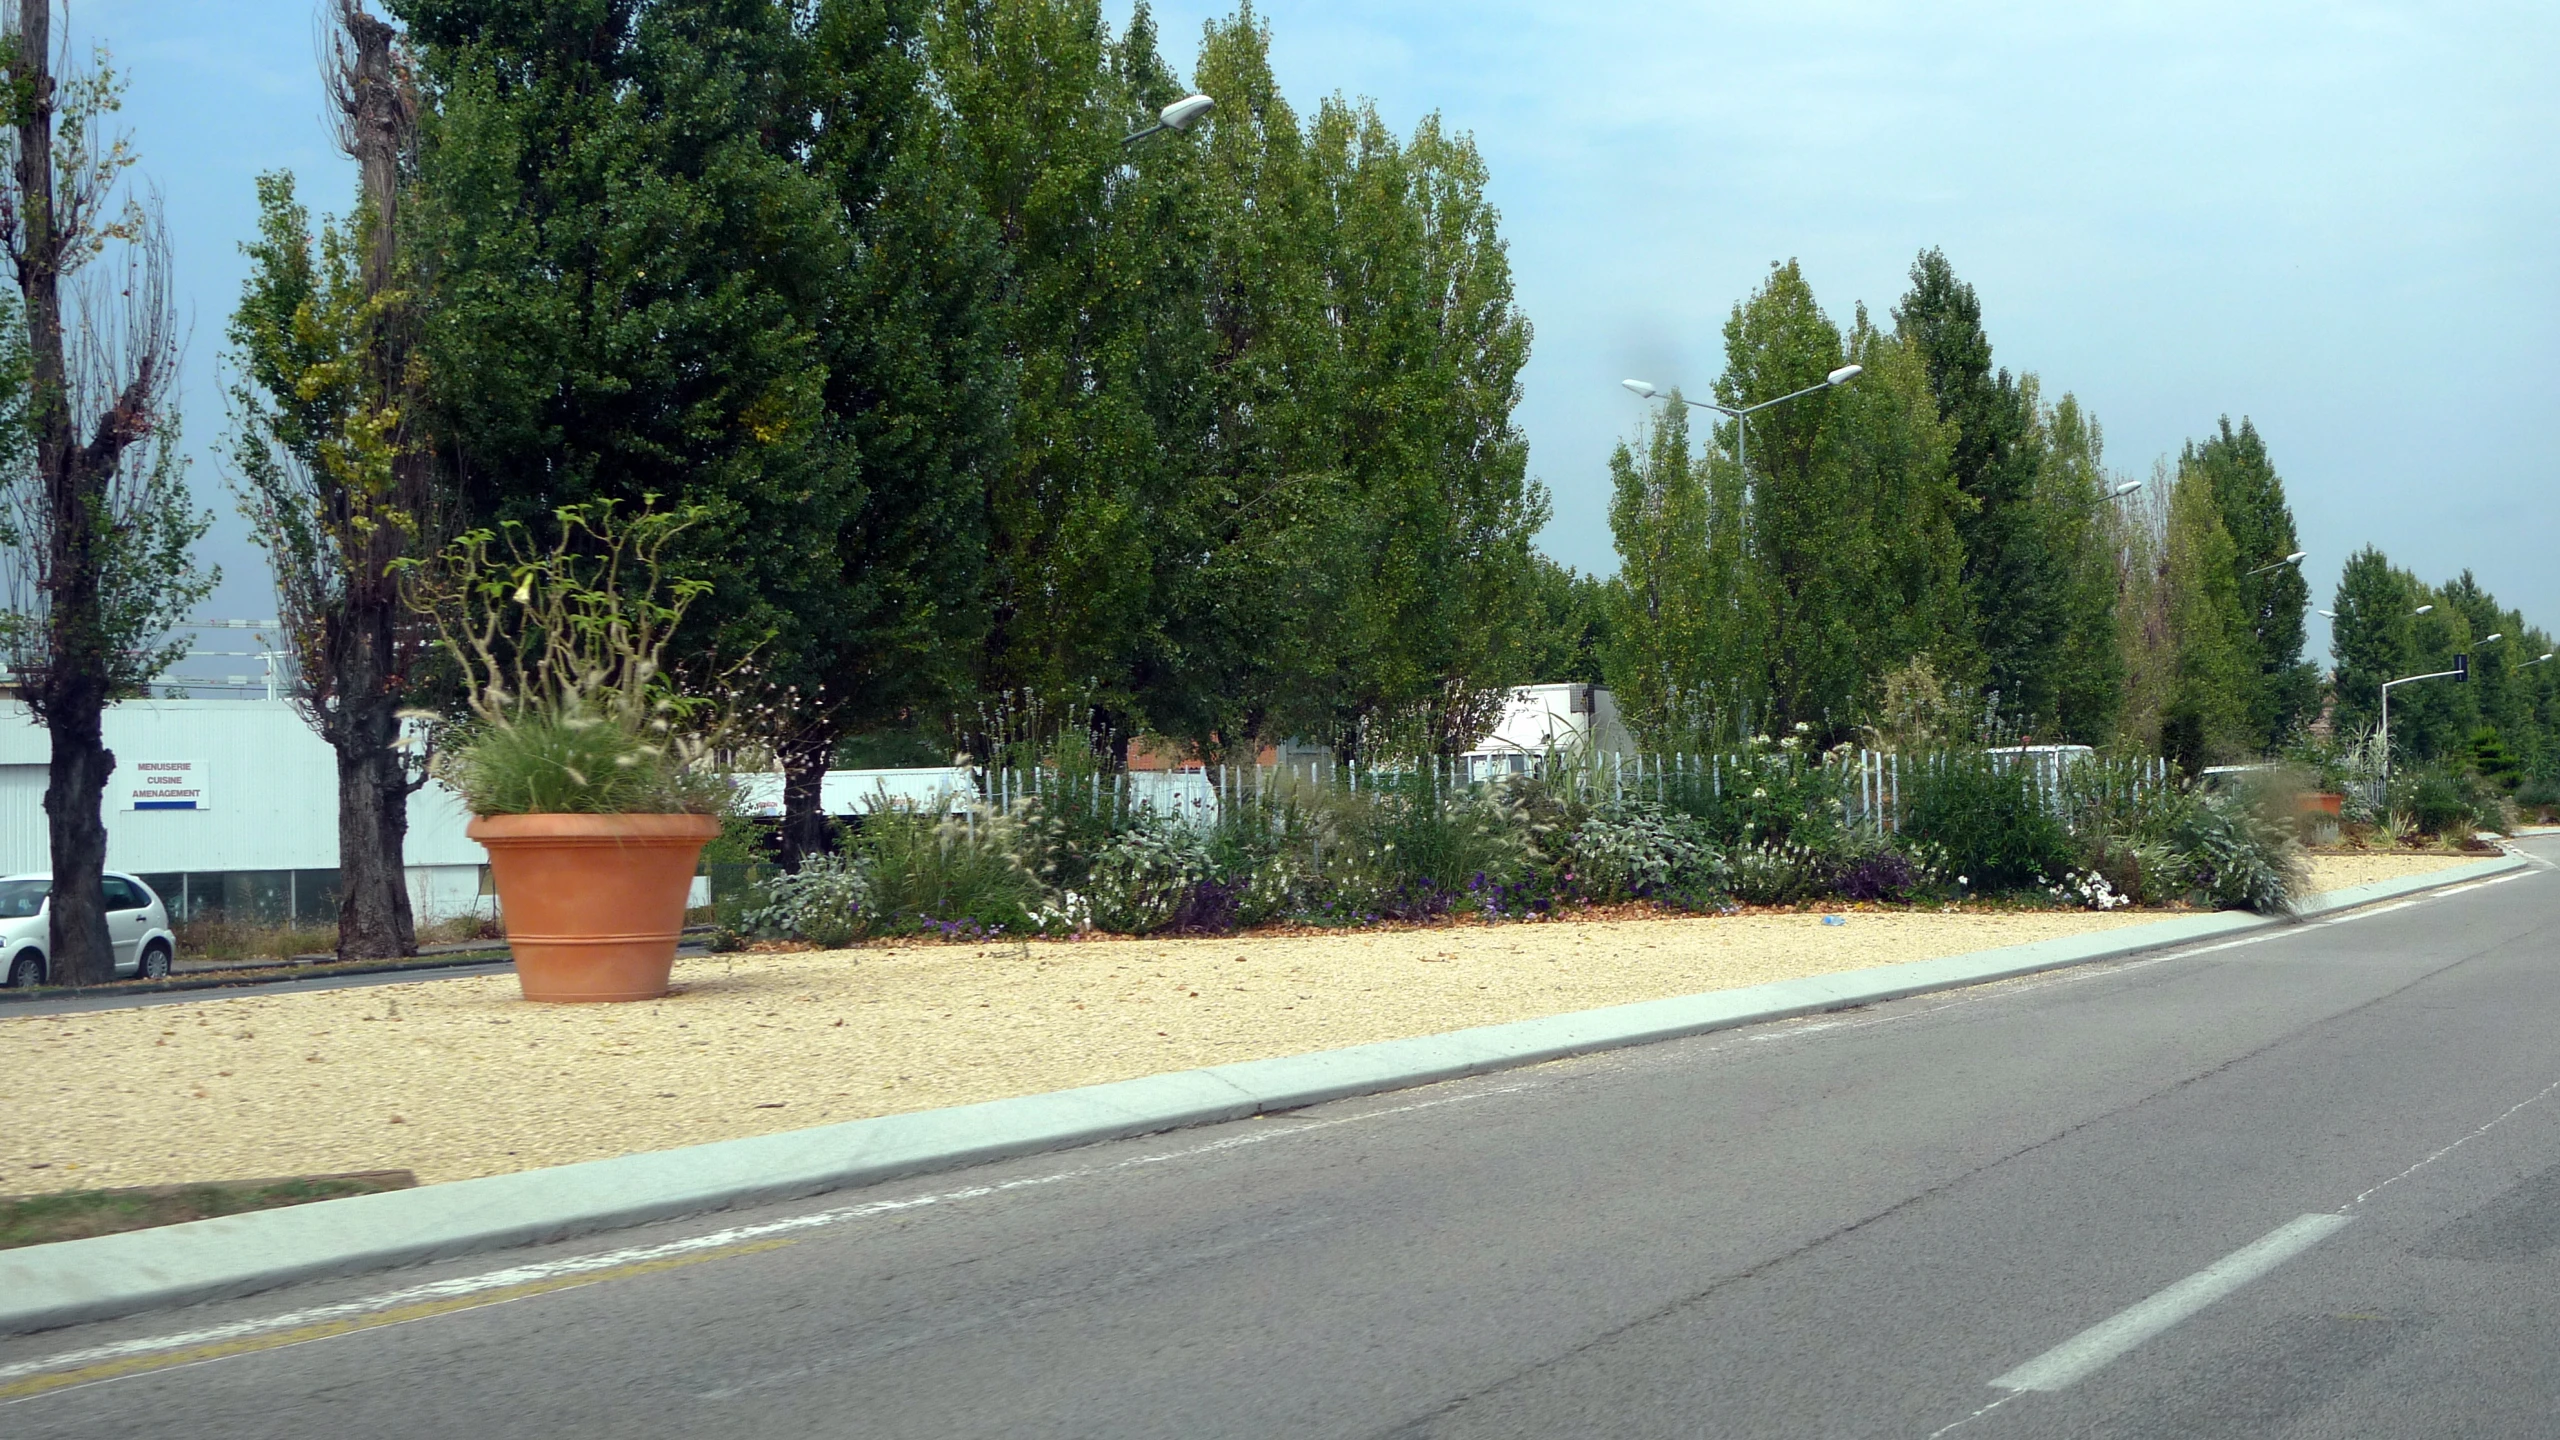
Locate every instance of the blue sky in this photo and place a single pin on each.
(2337, 219)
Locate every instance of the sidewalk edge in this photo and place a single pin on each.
(72, 1282)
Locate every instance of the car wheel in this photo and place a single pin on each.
(26, 972)
(155, 961)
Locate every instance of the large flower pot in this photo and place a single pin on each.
(593, 903)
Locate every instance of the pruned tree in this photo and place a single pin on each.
(336, 482)
(99, 521)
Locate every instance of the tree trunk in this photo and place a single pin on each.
(374, 921)
(77, 944)
(805, 832)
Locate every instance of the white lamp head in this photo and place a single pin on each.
(2493, 639)
(2124, 489)
(1643, 388)
(2328, 614)
(2295, 558)
(1186, 112)
(1844, 374)
(2423, 609)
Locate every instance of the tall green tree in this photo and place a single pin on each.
(628, 262)
(2208, 719)
(2018, 582)
(2076, 518)
(1672, 641)
(2250, 498)
(914, 391)
(1419, 284)
(337, 483)
(1850, 552)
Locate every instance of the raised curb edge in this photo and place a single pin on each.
(73, 1282)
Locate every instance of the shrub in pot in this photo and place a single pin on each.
(586, 771)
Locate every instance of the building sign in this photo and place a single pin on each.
(169, 785)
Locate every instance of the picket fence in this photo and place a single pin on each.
(1872, 781)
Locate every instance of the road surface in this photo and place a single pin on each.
(2304, 1183)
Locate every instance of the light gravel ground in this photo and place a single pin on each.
(455, 1078)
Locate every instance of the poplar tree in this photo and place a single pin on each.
(2018, 586)
(1670, 641)
(2249, 496)
(2208, 718)
(334, 476)
(915, 390)
(97, 517)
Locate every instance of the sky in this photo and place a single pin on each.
(2335, 219)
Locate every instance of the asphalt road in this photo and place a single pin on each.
(2306, 1183)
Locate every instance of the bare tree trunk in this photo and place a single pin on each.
(72, 697)
(77, 943)
(804, 817)
(374, 920)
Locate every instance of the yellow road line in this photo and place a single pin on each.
(398, 1315)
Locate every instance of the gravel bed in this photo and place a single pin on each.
(459, 1077)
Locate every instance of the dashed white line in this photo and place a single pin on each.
(2099, 1345)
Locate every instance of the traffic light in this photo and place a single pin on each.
(2461, 669)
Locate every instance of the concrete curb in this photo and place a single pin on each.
(47, 1286)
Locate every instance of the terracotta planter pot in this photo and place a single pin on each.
(2324, 804)
(593, 903)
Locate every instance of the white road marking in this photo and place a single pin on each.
(514, 1275)
(2099, 1345)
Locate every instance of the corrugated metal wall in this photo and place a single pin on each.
(274, 793)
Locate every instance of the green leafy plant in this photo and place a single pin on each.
(824, 902)
(1145, 874)
(952, 874)
(564, 645)
(1636, 849)
(1991, 821)
(2233, 853)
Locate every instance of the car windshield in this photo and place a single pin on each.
(21, 898)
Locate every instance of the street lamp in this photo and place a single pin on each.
(2293, 559)
(2326, 614)
(2121, 491)
(2421, 610)
(2545, 655)
(1177, 117)
(1741, 417)
(2492, 639)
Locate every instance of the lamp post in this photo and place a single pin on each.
(2461, 671)
(2293, 559)
(2118, 492)
(1741, 417)
(1177, 117)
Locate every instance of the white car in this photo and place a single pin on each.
(136, 921)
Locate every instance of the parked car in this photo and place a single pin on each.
(136, 921)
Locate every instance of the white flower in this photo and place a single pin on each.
(1963, 880)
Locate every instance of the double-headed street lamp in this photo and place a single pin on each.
(1741, 416)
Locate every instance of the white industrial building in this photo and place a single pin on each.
(229, 805)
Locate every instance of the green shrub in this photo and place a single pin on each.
(2235, 854)
(1141, 878)
(958, 874)
(573, 763)
(1638, 850)
(824, 902)
(1772, 791)
(1988, 820)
